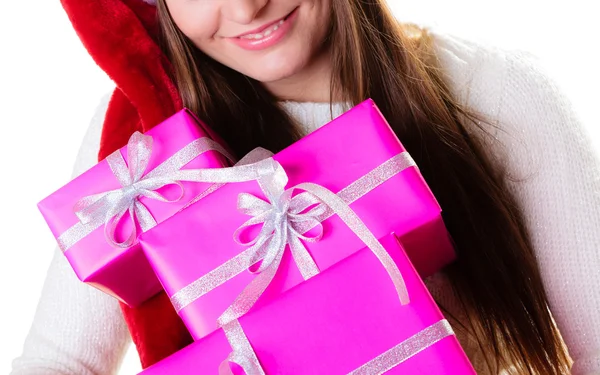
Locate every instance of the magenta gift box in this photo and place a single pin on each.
(125, 273)
(200, 238)
(336, 322)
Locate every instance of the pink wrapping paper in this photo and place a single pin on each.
(126, 273)
(200, 238)
(334, 323)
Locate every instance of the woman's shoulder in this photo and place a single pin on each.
(478, 72)
(529, 110)
(506, 85)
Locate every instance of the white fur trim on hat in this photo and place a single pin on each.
(151, 2)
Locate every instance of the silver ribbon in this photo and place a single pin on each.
(422, 340)
(247, 258)
(109, 207)
(279, 218)
(406, 349)
(244, 356)
(285, 218)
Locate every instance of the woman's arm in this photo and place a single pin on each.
(76, 329)
(555, 175)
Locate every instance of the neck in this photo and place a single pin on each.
(311, 84)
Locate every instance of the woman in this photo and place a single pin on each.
(497, 143)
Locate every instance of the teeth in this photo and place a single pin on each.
(265, 33)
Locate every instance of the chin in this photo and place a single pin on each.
(271, 72)
(271, 76)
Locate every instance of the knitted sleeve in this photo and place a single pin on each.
(76, 329)
(557, 182)
(554, 173)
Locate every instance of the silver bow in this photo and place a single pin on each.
(109, 207)
(247, 258)
(285, 218)
(279, 219)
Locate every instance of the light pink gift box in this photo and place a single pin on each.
(200, 238)
(125, 273)
(336, 322)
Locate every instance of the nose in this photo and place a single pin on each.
(243, 11)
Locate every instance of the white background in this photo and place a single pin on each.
(49, 88)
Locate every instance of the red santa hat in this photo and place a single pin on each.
(121, 36)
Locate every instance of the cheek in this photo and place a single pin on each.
(198, 20)
(319, 21)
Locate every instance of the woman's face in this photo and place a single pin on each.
(268, 40)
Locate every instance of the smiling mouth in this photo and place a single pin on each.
(266, 31)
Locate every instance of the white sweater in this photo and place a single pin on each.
(79, 330)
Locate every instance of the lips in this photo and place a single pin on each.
(264, 33)
(264, 28)
(268, 35)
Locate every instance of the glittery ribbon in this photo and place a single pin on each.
(109, 207)
(406, 349)
(247, 258)
(279, 218)
(283, 216)
(422, 340)
(244, 355)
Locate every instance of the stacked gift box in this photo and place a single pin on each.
(309, 261)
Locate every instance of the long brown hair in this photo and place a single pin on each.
(496, 276)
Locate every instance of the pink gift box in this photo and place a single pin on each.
(125, 272)
(200, 238)
(336, 322)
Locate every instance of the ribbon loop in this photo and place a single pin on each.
(243, 355)
(108, 208)
(111, 206)
(280, 215)
(139, 149)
